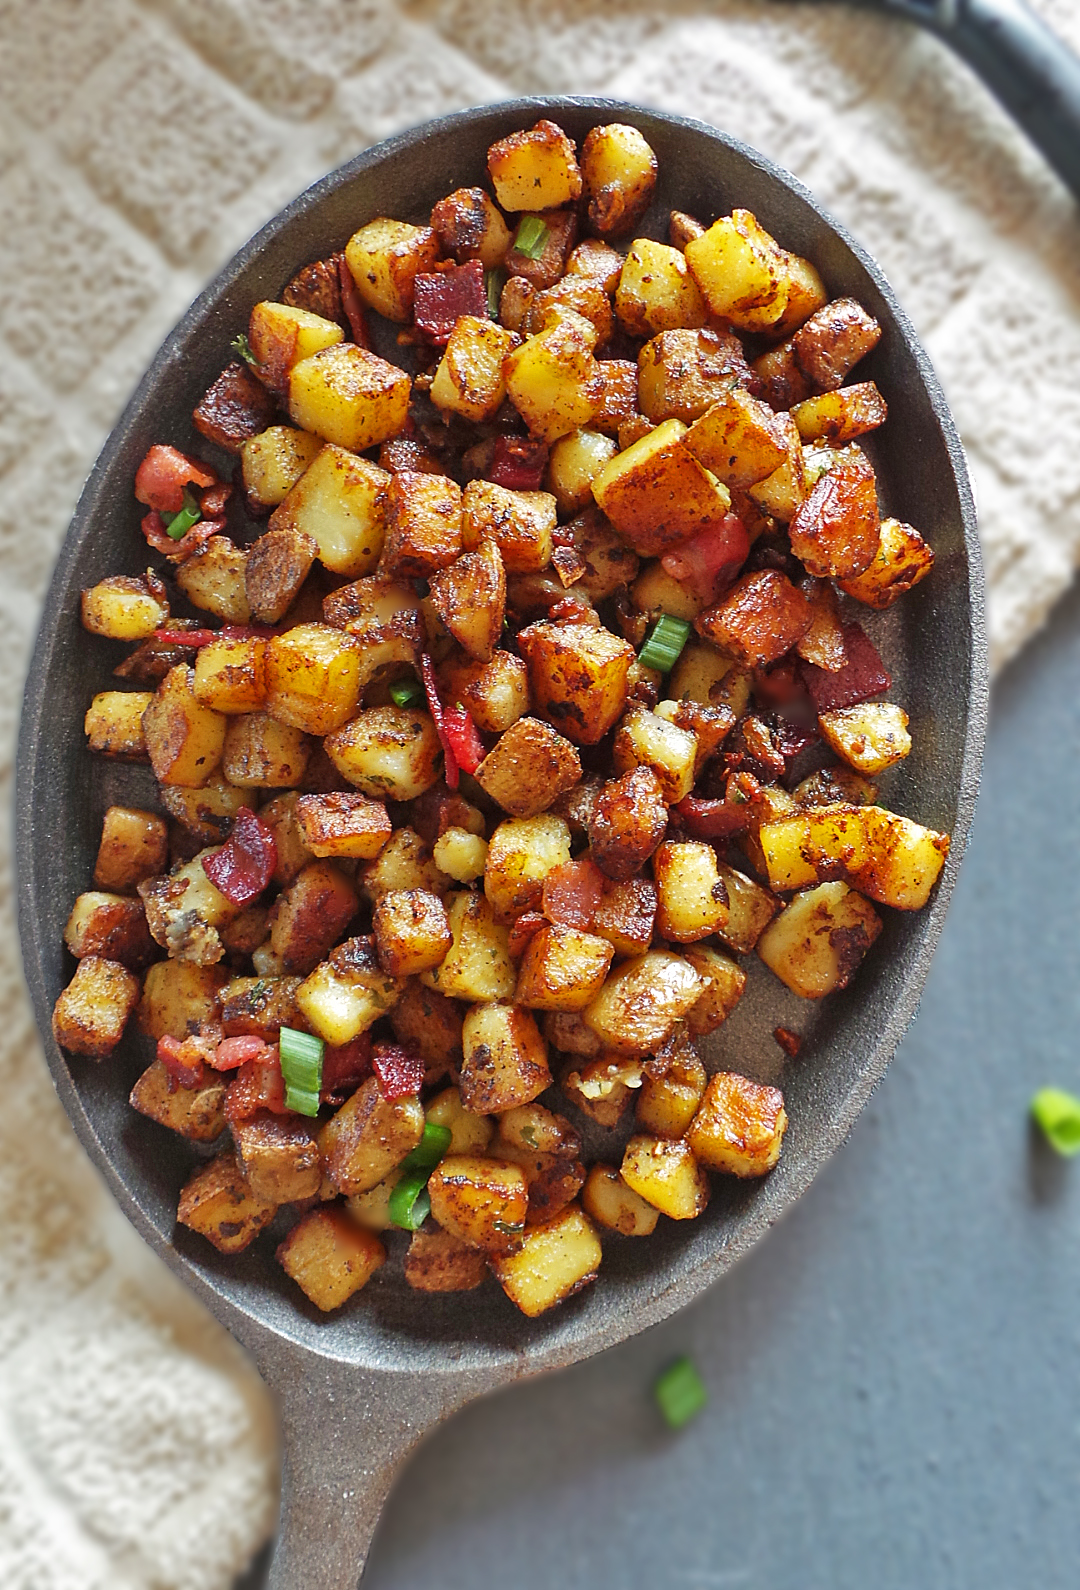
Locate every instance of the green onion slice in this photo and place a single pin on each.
(407, 693)
(664, 646)
(430, 1149)
(301, 1067)
(241, 346)
(178, 524)
(410, 1202)
(494, 281)
(1057, 1113)
(680, 1393)
(532, 236)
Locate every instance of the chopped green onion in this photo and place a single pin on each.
(410, 1202)
(494, 281)
(241, 346)
(532, 236)
(407, 693)
(1058, 1114)
(430, 1149)
(178, 524)
(301, 1067)
(680, 1393)
(664, 646)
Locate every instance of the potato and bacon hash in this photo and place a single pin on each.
(537, 701)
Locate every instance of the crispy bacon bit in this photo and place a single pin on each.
(522, 931)
(234, 408)
(790, 738)
(708, 562)
(194, 638)
(719, 819)
(153, 528)
(779, 684)
(164, 472)
(441, 296)
(572, 893)
(569, 565)
(789, 1041)
(214, 499)
(259, 1085)
(435, 707)
(399, 1071)
(244, 865)
(464, 738)
(573, 610)
(231, 1053)
(354, 309)
(186, 1070)
(344, 1067)
(517, 464)
(864, 675)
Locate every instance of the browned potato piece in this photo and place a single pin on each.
(478, 965)
(521, 524)
(236, 407)
(739, 439)
(134, 845)
(469, 1133)
(644, 739)
(423, 524)
(392, 752)
(610, 1202)
(311, 915)
(837, 530)
(439, 1262)
(480, 1201)
(840, 416)
(184, 739)
(368, 1137)
(782, 383)
(385, 258)
(562, 969)
(347, 993)
(555, 1261)
(514, 300)
(666, 1105)
(554, 1180)
(247, 932)
(709, 725)
(470, 598)
(628, 822)
(312, 678)
(641, 1001)
(349, 396)
(196, 1113)
(807, 294)
(206, 813)
(603, 1088)
(111, 926)
(656, 291)
(816, 943)
(339, 824)
(495, 694)
(751, 908)
(657, 495)
(431, 1024)
(230, 675)
(691, 898)
(728, 981)
(215, 579)
(469, 380)
(123, 607)
(578, 293)
(404, 863)
(279, 335)
(570, 1034)
(739, 1127)
(528, 768)
(626, 915)
(217, 1202)
(330, 1257)
(682, 372)
(760, 618)
(741, 271)
(274, 460)
(279, 1157)
(609, 563)
(278, 563)
(411, 932)
(553, 380)
(260, 753)
(870, 737)
(578, 677)
(575, 462)
(905, 860)
(619, 397)
(521, 853)
(535, 170)
(561, 229)
(665, 1174)
(90, 1015)
(470, 227)
(683, 227)
(833, 341)
(618, 170)
(505, 1059)
(902, 559)
(260, 1006)
(339, 503)
(177, 996)
(831, 784)
(598, 262)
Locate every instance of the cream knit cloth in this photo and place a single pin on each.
(140, 144)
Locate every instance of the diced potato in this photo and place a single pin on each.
(535, 170)
(691, 897)
(411, 932)
(603, 1088)
(470, 599)
(215, 579)
(280, 335)
(235, 407)
(134, 845)
(657, 495)
(840, 416)
(478, 965)
(905, 860)
(739, 1127)
(371, 1209)
(656, 291)
(405, 862)
(645, 740)
(431, 1024)
(495, 694)
(217, 1202)
(514, 301)
(460, 855)
(206, 813)
(247, 932)
(699, 669)
(329, 1257)
(655, 591)
(123, 607)
(339, 502)
(111, 926)
(470, 227)
(619, 399)
(113, 723)
(505, 1059)
(469, 1133)
(260, 1006)
(577, 676)
(261, 753)
(610, 1202)
(279, 1157)
(725, 988)
(741, 271)
(184, 911)
(831, 784)
(423, 524)
(368, 1137)
(310, 916)
(902, 559)
(598, 262)
(529, 767)
(628, 821)
(563, 969)
(184, 739)
(230, 676)
(347, 994)
(626, 915)
(579, 294)
(570, 1034)
(682, 373)
(338, 824)
(618, 170)
(837, 530)
(312, 678)
(388, 752)
(196, 1113)
(384, 258)
(665, 1174)
(177, 996)
(439, 1262)
(814, 845)
(870, 737)
(817, 942)
(710, 726)
(90, 1015)
(521, 523)
(783, 493)
(521, 853)
(553, 380)
(750, 909)
(554, 1262)
(739, 439)
(480, 1201)
(666, 1105)
(575, 462)
(349, 396)
(758, 620)
(469, 380)
(642, 1000)
(833, 341)
(273, 462)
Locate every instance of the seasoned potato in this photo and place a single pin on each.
(575, 462)
(699, 670)
(349, 396)
(905, 860)
(816, 943)
(656, 291)
(90, 1015)
(666, 1175)
(439, 1262)
(312, 678)
(279, 1157)
(480, 1201)
(682, 373)
(260, 1006)
(741, 271)
(562, 969)
(725, 988)
(385, 258)
(114, 726)
(656, 494)
(215, 579)
(368, 1137)
(273, 462)
(405, 862)
(461, 855)
(609, 562)
(495, 694)
(134, 845)
(553, 380)
(870, 737)
(902, 559)
(554, 1261)
(579, 294)
(619, 399)
(310, 915)
(598, 262)
(111, 926)
(230, 676)
(577, 676)
(469, 1133)
(206, 813)
(626, 915)
(841, 416)
(423, 524)
(196, 1113)
(279, 335)
(521, 524)
(691, 898)
(505, 1059)
(217, 1202)
(709, 725)
(666, 1105)
(184, 739)
(184, 911)
(535, 170)
(411, 931)
(642, 1000)
(645, 740)
(177, 996)
(470, 227)
(329, 1258)
(123, 607)
(627, 823)
(739, 1127)
(529, 767)
(806, 295)
(833, 341)
(470, 599)
(831, 784)
(603, 1088)
(521, 853)
(739, 439)
(618, 170)
(339, 501)
(478, 966)
(371, 1210)
(260, 753)
(235, 407)
(347, 993)
(758, 620)
(837, 530)
(750, 909)
(610, 1202)
(277, 565)
(338, 824)
(783, 493)
(431, 1024)
(392, 752)
(814, 844)
(470, 380)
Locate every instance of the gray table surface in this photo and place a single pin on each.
(893, 1373)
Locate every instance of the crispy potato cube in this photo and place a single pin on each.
(870, 737)
(682, 373)
(645, 740)
(655, 591)
(521, 524)
(234, 408)
(470, 227)
(784, 492)
(728, 982)
(905, 860)
(739, 1127)
(274, 461)
(480, 1201)
(339, 502)
(579, 294)
(217, 1202)
(902, 559)
(666, 1105)
(666, 1175)
(338, 824)
(618, 170)
(411, 932)
(90, 1015)
(277, 565)
(177, 996)
(134, 845)
(469, 380)
(577, 676)
(347, 994)
(469, 1133)
(371, 1210)
(123, 607)
(750, 909)
(329, 1257)
(514, 301)
(368, 1137)
(603, 1087)
(494, 693)
(478, 965)
(840, 416)
(184, 739)
(279, 1157)
(555, 1261)
(709, 725)
(384, 258)
(521, 853)
(280, 335)
(758, 620)
(831, 784)
(529, 767)
(230, 676)
(260, 753)
(215, 579)
(388, 752)
(819, 939)
(570, 1034)
(575, 462)
(833, 341)
(535, 170)
(310, 916)
(691, 897)
(741, 271)
(439, 1262)
(610, 1202)
(247, 932)
(260, 1006)
(739, 439)
(184, 911)
(598, 262)
(461, 855)
(113, 723)
(609, 562)
(312, 678)
(405, 862)
(553, 380)
(505, 1059)
(562, 969)
(656, 291)
(206, 813)
(536, 1130)
(837, 530)
(627, 823)
(626, 915)
(700, 670)
(806, 295)
(619, 397)
(349, 396)
(423, 524)
(470, 599)
(814, 845)
(642, 1000)
(196, 1113)
(111, 926)
(431, 1024)
(657, 495)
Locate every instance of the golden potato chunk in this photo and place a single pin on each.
(260, 1006)
(347, 993)
(750, 909)
(603, 1088)
(759, 619)
(196, 1113)
(529, 767)
(112, 926)
(207, 813)
(666, 1175)
(279, 1157)
(276, 567)
(439, 1262)
(230, 676)
(134, 845)
(553, 380)
(833, 341)
(741, 271)
(814, 845)
(470, 227)
(329, 1257)
(905, 860)
(310, 916)
(280, 334)
(411, 932)
(657, 495)
(841, 416)
(577, 677)
(338, 824)
(837, 530)
(217, 1202)
(682, 373)
(261, 753)
(470, 599)
(610, 1202)
(480, 1201)
(870, 737)
(575, 462)
(312, 678)
(691, 898)
(666, 1105)
(725, 988)
(642, 1000)
(123, 607)
(902, 559)
(562, 969)
(656, 291)
(177, 996)
(554, 1262)
(384, 258)
(644, 739)
(349, 396)
(469, 380)
(626, 915)
(521, 524)
(505, 1059)
(627, 823)
(273, 461)
(460, 854)
(618, 170)
(495, 694)
(392, 752)
(215, 579)
(521, 853)
(405, 862)
(816, 943)
(469, 1133)
(739, 439)
(368, 1137)
(113, 724)
(339, 501)
(477, 966)
(423, 524)
(90, 1015)
(739, 1127)
(535, 170)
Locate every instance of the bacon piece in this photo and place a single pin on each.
(344, 1066)
(710, 561)
(183, 1072)
(259, 1085)
(399, 1071)
(521, 933)
(719, 819)
(234, 408)
(863, 676)
(441, 296)
(572, 893)
(789, 1041)
(354, 309)
(244, 865)
(164, 472)
(517, 463)
(435, 707)
(231, 1053)
(153, 528)
(463, 735)
(214, 499)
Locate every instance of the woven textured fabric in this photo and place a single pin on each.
(140, 144)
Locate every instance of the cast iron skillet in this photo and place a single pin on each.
(357, 1390)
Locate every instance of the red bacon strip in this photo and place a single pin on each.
(259, 1085)
(710, 560)
(522, 931)
(864, 675)
(441, 296)
(164, 472)
(399, 1071)
(464, 738)
(183, 1072)
(517, 463)
(232, 1053)
(153, 528)
(572, 893)
(244, 865)
(435, 707)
